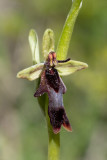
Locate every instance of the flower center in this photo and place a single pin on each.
(51, 60)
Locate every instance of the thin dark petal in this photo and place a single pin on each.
(62, 61)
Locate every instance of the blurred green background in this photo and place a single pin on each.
(23, 130)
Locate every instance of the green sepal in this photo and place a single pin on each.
(34, 45)
(70, 67)
(32, 72)
(48, 42)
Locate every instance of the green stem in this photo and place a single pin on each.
(54, 139)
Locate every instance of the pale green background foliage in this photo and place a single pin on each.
(23, 133)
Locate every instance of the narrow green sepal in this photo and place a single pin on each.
(34, 45)
(48, 42)
(32, 72)
(70, 67)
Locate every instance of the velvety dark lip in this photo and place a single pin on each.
(52, 84)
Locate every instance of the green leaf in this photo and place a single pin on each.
(65, 37)
(48, 42)
(34, 45)
(32, 72)
(70, 67)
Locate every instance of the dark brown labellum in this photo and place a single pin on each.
(53, 85)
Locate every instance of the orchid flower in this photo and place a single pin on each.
(51, 82)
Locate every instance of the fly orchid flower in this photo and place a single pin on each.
(51, 82)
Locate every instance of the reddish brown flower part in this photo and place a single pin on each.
(52, 84)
